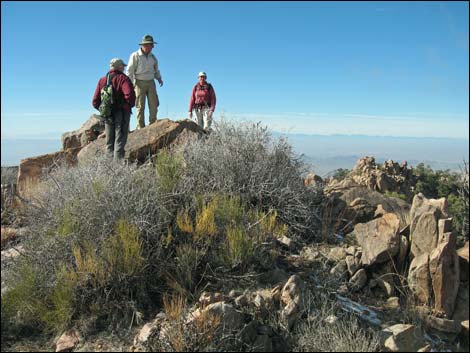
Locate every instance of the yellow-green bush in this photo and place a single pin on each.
(227, 230)
(169, 167)
(61, 308)
(68, 223)
(123, 252)
(27, 303)
(22, 304)
(184, 222)
(182, 276)
(205, 220)
(238, 247)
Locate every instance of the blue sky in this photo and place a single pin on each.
(370, 68)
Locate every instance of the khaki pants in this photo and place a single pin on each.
(204, 119)
(146, 89)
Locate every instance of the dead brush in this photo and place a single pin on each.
(183, 332)
(334, 223)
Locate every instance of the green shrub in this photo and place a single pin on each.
(169, 168)
(238, 248)
(23, 304)
(340, 173)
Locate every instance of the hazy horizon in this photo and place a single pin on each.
(324, 152)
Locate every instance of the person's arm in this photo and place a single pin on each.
(158, 76)
(128, 91)
(97, 96)
(192, 99)
(131, 67)
(213, 98)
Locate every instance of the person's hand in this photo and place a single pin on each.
(190, 115)
(160, 81)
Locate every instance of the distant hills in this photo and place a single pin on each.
(325, 153)
(328, 153)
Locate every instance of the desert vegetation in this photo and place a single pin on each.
(221, 237)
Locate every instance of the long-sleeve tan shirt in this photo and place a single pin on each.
(143, 67)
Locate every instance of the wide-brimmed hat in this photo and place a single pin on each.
(148, 39)
(115, 62)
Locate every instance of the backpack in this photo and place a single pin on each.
(106, 99)
(209, 89)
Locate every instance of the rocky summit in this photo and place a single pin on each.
(216, 263)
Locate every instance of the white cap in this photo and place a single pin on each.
(202, 73)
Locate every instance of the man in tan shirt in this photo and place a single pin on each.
(142, 70)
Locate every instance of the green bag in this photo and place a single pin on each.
(106, 99)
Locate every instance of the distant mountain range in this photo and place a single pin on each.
(328, 153)
(325, 153)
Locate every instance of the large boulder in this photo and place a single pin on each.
(31, 169)
(379, 239)
(445, 275)
(359, 204)
(146, 142)
(419, 279)
(88, 132)
(434, 277)
(424, 229)
(402, 338)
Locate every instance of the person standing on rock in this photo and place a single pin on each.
(142, 70)
(117, 125)
(202, 101)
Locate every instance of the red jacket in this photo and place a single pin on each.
(202, 95)
(123, 91)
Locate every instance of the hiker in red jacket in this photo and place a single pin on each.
(117, 126)
(203, 102)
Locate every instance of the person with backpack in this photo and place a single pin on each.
(202, 102)
(142, 70)
(114, 97)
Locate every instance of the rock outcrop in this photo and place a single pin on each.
(388, 177)
(444, 269)
(143, 143)
(379, 239)
(31, 169)
(87, 133)
(424, 223)
(360, 205)
(419, 279)
(83, 143)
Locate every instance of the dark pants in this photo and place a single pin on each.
(116, 133)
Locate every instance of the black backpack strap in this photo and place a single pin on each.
(109, 78)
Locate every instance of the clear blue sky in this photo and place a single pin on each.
(375, 68)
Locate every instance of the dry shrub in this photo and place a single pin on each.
(243, 159)
(103, 222)
(347, 334)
